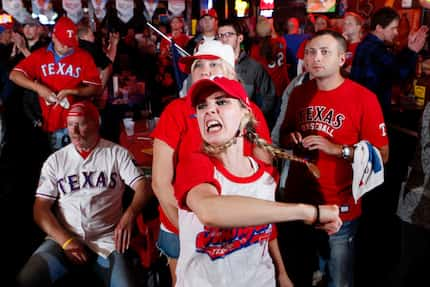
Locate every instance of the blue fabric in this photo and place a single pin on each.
(377, 68)
(168, 244)
(294, 41)
(179, 76)
(373, 158)
(58, 57)
(48, 264)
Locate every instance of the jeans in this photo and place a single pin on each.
(48, 264)
(59, 139)
(340, 261)
(168, 244)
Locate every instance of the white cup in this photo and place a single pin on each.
(129, 126)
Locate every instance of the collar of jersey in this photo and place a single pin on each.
(219, 166)
(56, 56)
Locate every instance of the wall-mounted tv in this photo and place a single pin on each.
(321, 6)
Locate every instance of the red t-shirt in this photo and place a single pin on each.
(179, 129)
(277, 70)
(57, 74)
(344, 115)
(351, 53)
(301, 51)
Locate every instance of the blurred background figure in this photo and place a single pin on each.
(352, 31)
(294, 39)
(270, 51)
(208, 25)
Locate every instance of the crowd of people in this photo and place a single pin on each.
(274, 161)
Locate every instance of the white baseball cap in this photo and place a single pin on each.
(208, 50)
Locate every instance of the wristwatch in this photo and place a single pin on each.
(347, 152)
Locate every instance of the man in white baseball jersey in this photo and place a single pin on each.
(79, 205)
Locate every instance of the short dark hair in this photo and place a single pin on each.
(336, 35)
(233, 23)
(383, 17)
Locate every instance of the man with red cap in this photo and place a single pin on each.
(79, 206)
(208, 24)
(60, 74)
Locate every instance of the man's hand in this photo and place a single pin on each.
(63, 93)
(46, 93)
(417, 39)
(322, 144)
(76, 252)
(296, 137)
(123, 231)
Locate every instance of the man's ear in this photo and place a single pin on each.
(240, 38)
(342, 59)
(378, 28)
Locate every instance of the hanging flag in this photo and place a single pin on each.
(73, 10)
(150, 7)
(99, 8)
(179, 76)
(125, 10)
(176, 7)
(16, 9)
(43, 10)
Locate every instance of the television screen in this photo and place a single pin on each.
(321, 6)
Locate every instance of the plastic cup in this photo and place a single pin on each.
(129, 126)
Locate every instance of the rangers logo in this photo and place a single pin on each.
(219, 242)
(69, 33)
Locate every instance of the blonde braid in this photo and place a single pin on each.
(248, 124)
(253, 137)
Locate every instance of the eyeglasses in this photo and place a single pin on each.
(226, 35)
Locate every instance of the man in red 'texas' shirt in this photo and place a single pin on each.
(61, 75)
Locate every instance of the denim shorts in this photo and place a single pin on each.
(168, 243)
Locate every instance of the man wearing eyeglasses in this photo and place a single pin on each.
(254, 77)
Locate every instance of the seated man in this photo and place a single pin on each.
(79, 205)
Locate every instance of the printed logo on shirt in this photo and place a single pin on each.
(86, 180)
(219, 242)
(278, 62)
(383, 129)
(60, 69)
(320, 118)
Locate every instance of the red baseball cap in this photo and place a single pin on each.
(84, 109)
(205, 87)
(209, 12)
(66, 32)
